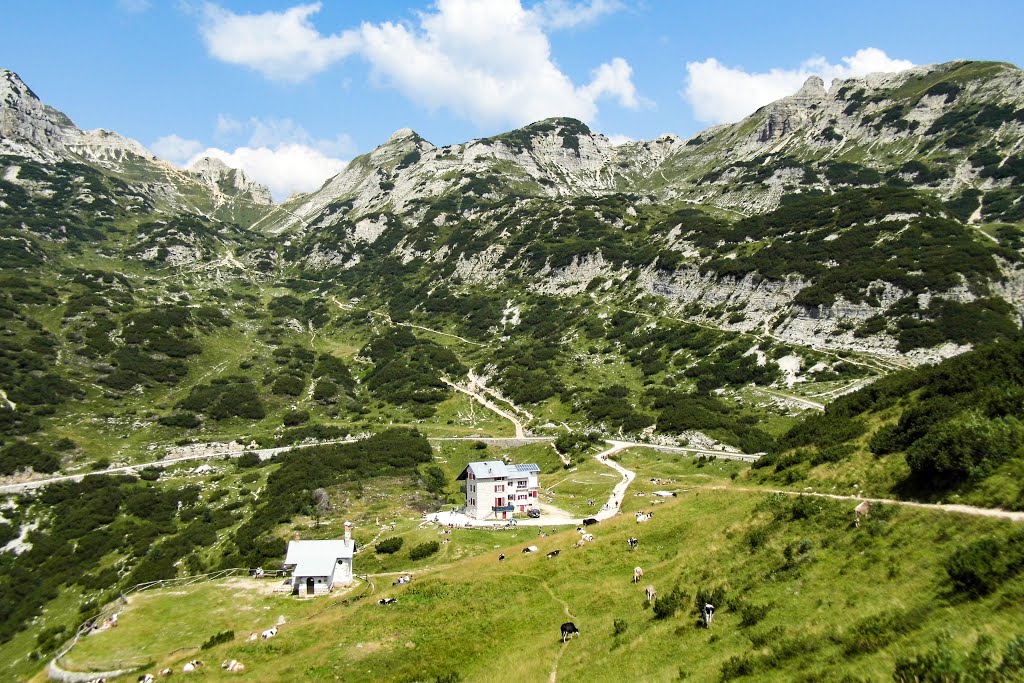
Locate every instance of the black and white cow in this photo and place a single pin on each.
(708, 613)
(569, 630)
(633, 543)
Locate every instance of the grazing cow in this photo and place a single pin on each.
(146, 678)
(638, 574)
(579, 544)
(862, 510)
(587, 538)
(588, 521)
(708, 613)
(233, 665)
(501, 557)
(633, 543)
(530, 549)
(642, 517)
(569, 630)
(387, 601)
(166, 672)
(553, 553)
(651, 594)
(192, 666)
(269, 633)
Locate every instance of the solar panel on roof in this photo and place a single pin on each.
(527, 468)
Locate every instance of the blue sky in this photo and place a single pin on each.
(290, 91)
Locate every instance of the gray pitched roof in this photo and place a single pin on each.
(491, 469)
(317, 558)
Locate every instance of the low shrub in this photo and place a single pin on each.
(291, 418)
(981, 567)
(217, 639)
(751, 613)
(667, 605)
(424, 550)
(944, 663)
(247, 460)
(877, 631)
(389, 546)
(738, 666)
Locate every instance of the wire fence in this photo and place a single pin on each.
(120, 668)
(108, 611)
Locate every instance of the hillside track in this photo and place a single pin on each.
(996, 513)
(553, 677)
(478, 396)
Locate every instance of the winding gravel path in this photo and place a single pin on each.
(997, 513)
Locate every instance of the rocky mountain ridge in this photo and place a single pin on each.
(879, 122)
(33, 130)
(553, 208)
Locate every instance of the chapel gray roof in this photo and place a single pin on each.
(318, 558)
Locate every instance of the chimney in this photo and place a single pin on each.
(348, 531)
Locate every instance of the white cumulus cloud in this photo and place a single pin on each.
(561, 14)
(274, 132)
(227, 125)
(283, 46)
(719, 93)
(175, 148)
(489, 62)
(285, 169)
(278, 153)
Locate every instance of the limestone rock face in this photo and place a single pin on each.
(34, 130)
(792, 113)
(26, 124)
(554, 158)
(220, 177)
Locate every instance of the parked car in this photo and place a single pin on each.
(533, 513)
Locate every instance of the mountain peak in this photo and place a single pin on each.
(11, 85)
(26, 123)
(209, 164)
(404, 134)
(813, 86)
(221, 178)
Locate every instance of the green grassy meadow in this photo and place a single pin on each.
(806, 597)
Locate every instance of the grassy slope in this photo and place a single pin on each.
(487, 620)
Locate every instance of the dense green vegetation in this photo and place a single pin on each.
(290, 487)
(953, 428)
